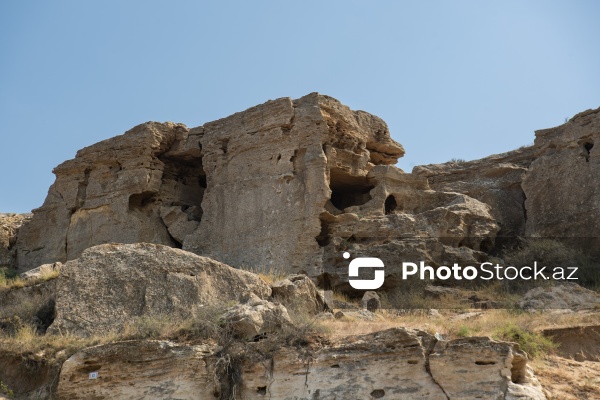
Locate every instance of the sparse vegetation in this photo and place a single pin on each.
(457, 161)
(552, 253)
(6, 390)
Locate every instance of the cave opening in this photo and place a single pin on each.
(390, 204)
(587, 147)
(348, 190)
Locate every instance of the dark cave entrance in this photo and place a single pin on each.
(348, 190)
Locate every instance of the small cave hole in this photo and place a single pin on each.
(486, 245)
(587, 147)
(224, 144)
(324, 237)
(413, 362)
(262, 390)
(279, 157)
(335, 366)
(485, 362)
(377, 393)
(390, 204)
(139, 201)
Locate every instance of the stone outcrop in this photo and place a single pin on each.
(110, 285)
(561, 184)
(566, 296)
(9, 227)
(396, 363)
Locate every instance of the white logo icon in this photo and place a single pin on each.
(365, 262)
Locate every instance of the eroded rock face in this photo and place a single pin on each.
(9, 227)
(124, 189)
(561, 184)
(495, 180)
(110, 285)
(299, 293)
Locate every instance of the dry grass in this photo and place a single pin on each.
(269, 275)
(9, 280)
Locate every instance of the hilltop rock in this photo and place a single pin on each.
(110, 285)
(561, 185)
(9, 227)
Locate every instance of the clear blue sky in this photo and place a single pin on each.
(453, 79)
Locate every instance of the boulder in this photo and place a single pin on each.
(42, 272)
(299, 293)
(566, 296)
(370, 301)
(110, 285)
(256, 317)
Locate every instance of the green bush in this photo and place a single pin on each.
(533, 343)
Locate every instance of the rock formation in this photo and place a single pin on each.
(563, 200)
(287, 185)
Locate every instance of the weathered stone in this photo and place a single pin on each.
(299, 293)
(358, 315)
(256, 317)
(480, 367)
(9, 227)
(568, 296)
(370, 301)
(140, 369)
(110, 284)
(562, 195)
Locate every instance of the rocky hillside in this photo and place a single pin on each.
(208, 262)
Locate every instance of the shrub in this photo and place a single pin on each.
(533, 343)
(552, 253)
